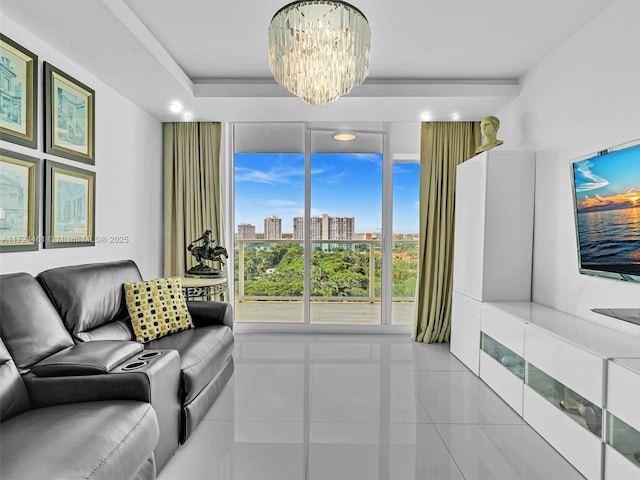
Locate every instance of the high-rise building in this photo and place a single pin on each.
(272, 228)
(326, 228)
(246, 231)
(298, 228)
(341, 228)
(316, 228)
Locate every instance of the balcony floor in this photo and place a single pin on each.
(327, 313)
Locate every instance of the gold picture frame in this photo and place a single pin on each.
(69, 219)
(19, 199)
(69, 116)
(18, 93)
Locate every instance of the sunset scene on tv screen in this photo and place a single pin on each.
(608, 182)
(607, 190)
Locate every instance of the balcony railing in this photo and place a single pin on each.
(341, 270)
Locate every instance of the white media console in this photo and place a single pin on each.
(575, 382)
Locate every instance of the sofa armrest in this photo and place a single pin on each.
(87, 358)
(121, 383)
(48, 391)
(205, 313)
(152, 377)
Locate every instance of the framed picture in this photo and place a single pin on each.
(69, 116)
(19, 181)
(18, 93)
(69, 206)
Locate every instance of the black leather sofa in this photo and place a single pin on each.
(68, 333)
(97, 439)
(62, 432)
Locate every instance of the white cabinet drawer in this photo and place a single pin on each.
(503, 327)
(578, 369)
(580, 447)
(623, 393)
(617, 467)
(502, 381)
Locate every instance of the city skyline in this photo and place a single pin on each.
(293, 222)
(342, 185)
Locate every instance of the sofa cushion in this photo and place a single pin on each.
(203, 352)
(31, 328)
(116, 330)
(97, 440)
(90, 296)
(13, 393)
(157, 308)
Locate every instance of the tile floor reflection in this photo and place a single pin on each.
(359, 407)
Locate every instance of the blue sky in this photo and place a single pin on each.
(347, 185)
(608, 182)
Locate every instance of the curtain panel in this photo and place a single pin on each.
(192, 190)
(444, 145)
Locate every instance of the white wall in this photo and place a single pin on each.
(582, 98)
(128, 150)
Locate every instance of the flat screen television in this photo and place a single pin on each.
(606, 187)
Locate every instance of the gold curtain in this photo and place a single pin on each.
(192, 190)
(444, 145)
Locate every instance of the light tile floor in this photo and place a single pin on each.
(359, 407)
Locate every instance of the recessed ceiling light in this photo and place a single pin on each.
(188, 116)
(455, 116)
(344, 137)
(175, 107)
(426, 116)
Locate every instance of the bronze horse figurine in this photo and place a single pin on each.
(207, 251)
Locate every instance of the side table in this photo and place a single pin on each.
(204, 288)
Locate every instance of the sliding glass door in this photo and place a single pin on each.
(346, 228)
(315, 242)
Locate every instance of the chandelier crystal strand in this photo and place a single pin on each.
(319, 49)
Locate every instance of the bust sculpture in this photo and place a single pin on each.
(489, 130)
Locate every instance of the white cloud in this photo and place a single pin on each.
(276, 175)
(271, 176)
(335, 179)
(274, 202)
(595, 181)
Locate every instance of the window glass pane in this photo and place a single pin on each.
(269, 264)
(406, 221)
(346, 218)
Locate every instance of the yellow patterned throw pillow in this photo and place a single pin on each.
(157, 308)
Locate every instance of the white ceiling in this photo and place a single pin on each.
(444, 57)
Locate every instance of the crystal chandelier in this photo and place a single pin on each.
(319, 49)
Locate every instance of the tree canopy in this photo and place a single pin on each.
(277, 270)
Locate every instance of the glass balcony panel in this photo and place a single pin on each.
(269, 283)
(624, 438)
(345, 282)
(404, 273)
(501, 354)
(572, 404)
(345, 286)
